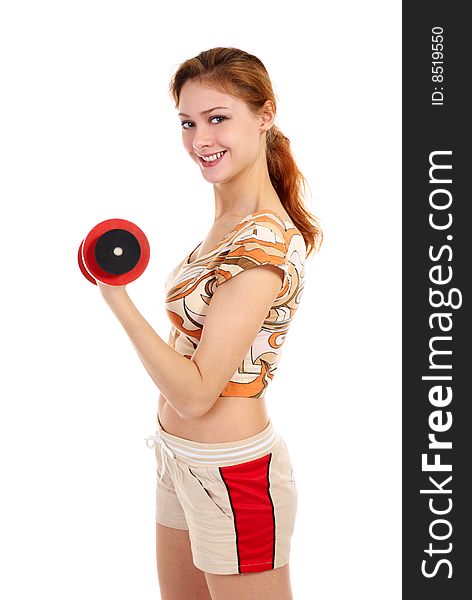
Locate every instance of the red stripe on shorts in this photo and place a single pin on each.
(248, 487)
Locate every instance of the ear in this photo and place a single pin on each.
(267, 115)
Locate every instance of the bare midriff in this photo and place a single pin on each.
(231, 418)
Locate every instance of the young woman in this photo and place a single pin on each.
(226, 498)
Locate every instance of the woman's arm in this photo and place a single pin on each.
(177, 378)
(234, 317)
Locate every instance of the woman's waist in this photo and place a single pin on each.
(230, 419)
(217, 454)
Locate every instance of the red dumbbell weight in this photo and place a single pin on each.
(115, 252)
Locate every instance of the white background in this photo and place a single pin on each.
(89, 132)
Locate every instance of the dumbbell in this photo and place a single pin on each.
(114, 252)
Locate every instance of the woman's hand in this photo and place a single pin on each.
(109, 292)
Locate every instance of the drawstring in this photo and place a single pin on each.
(157, 439)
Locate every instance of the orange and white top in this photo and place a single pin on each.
(261, 238)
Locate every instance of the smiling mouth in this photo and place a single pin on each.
(212, 160)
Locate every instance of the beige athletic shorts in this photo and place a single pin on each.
(238, 500)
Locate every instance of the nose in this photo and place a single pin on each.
(202, 139)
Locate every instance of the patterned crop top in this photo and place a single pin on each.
(261, 238)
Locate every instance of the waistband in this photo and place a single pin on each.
(219, 454)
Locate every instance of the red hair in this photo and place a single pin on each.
(243, 76)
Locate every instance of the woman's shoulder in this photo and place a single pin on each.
(277, 222)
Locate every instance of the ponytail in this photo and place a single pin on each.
(288, 182)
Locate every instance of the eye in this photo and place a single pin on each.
(211, 119)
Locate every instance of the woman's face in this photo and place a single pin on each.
(233, 130)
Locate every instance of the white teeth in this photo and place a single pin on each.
(212, 157)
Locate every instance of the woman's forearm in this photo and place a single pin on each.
(177, 378)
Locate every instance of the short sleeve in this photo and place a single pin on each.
(259, 243)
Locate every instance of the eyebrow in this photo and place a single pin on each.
(204, 112)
